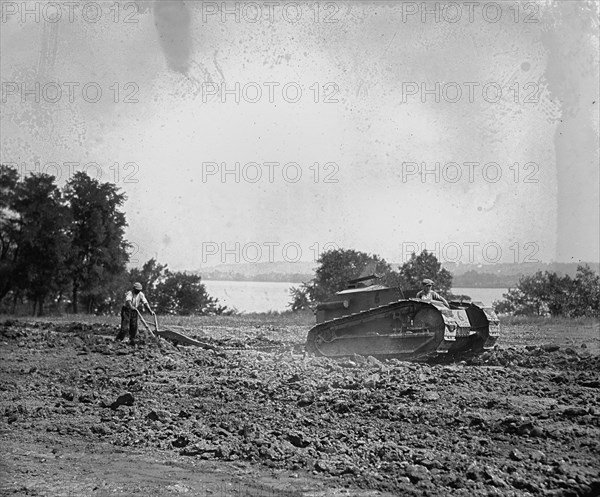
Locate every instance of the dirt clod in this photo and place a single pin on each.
(123, 400)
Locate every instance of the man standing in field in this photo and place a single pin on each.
(428, 294)
(134, 299)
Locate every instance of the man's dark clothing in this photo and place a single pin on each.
(129, 323)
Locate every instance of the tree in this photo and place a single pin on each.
(556, 293)
(549, 293)
(150, 276)
(300, 297)
(49, 241)
(42, 239)
(184, 294)
(112, 294)
(336, 268)
(99, 250)
(425, 265)
(584, 297)
(9, 179)
(175, 292)
(511, 303)
(530, 297)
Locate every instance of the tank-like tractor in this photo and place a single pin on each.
(372, 319)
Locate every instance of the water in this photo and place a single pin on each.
(485, 295)
(251, 296)
(264, 296)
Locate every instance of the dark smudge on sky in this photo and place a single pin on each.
(172, 20)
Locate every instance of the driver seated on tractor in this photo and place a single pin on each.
(129, 313)
(428, 294)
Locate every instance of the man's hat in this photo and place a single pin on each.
(137, 286)
(427, 281)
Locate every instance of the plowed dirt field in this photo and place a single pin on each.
(81, 415)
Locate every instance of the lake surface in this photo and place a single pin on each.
(264, 296)
(485, 295)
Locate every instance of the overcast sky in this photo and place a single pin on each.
(330, 113)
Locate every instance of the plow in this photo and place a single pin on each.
(173, 336)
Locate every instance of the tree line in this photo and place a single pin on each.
(506, 275)
(65, 249)
(549, 293)
(543, 293)
(337, 267)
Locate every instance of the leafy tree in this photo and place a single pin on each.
(531, 296)
(425, 265)
(336, 268)
(112, 294)
(549, 293)
(584, 298)
(9, 178)
(184, 294)
(150, 275)
(42, 239)
(300, 297)
(50, 243)
(514, 302)
(99, 250)
(557, 289)
(175, 292)
(536, 292)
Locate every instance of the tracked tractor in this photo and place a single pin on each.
(372, 319)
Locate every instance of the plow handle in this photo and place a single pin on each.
(146, 324)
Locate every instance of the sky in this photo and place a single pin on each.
(251, 131)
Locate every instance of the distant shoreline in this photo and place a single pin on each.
(461, 287)
(501, 275)
(482, 286)
(284, 278)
